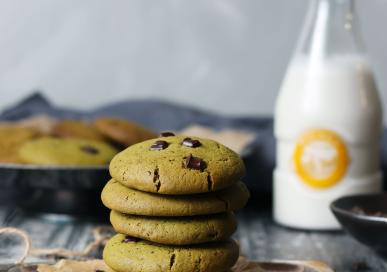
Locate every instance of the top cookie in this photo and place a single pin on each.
(177, 165)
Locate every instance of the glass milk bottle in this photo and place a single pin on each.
(328, 120)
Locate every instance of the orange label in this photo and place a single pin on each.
(320, 158)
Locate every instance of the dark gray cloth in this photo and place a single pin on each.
(156, 114)
(161, 116)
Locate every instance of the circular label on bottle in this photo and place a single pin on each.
(320, 158)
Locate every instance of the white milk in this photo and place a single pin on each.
(328, 122)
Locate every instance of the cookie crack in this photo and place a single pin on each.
(172, 261)
(198, 264)
(212, 232)
(156, 178)
(210, 183)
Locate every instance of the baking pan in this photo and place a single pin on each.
(72, 190)
(53, 189)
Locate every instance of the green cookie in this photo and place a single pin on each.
(69, 151)
(124, 254)
(170, 165)
(117, 197)
(176, 230)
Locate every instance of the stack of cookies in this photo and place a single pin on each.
(172, 202)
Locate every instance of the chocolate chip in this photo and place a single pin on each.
(192, 162)
(191, 143)
(166, 134)
(98, 270)
(130, 239)
(89, 149)
(159, 145)
(360, 211)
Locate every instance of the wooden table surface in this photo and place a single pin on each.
(260, 239)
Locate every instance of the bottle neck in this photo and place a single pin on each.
(330, 29)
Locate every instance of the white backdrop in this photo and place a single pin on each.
(224, 55)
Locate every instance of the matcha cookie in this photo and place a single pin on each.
(117, 197)
(177, 165)
(76, 129)
(69, 151)
(122, 131)
(123, 253)
(11, 138)
(176, 230)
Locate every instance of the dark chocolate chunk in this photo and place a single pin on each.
(191, 143)
(130, 239)
(159, 145)
(89, 149)
(360, 211)
(192, 162)
(166, 134)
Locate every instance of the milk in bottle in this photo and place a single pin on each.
(328, 120)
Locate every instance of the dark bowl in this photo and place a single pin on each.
(53, 189)
(365, 218)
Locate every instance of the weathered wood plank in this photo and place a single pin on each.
(260, 239)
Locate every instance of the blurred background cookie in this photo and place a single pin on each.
(66, 151)
(122, 131)
(107, 135)
(76, 129)
(11, 138)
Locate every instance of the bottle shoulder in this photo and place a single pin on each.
(339, 98)
(338, 86)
